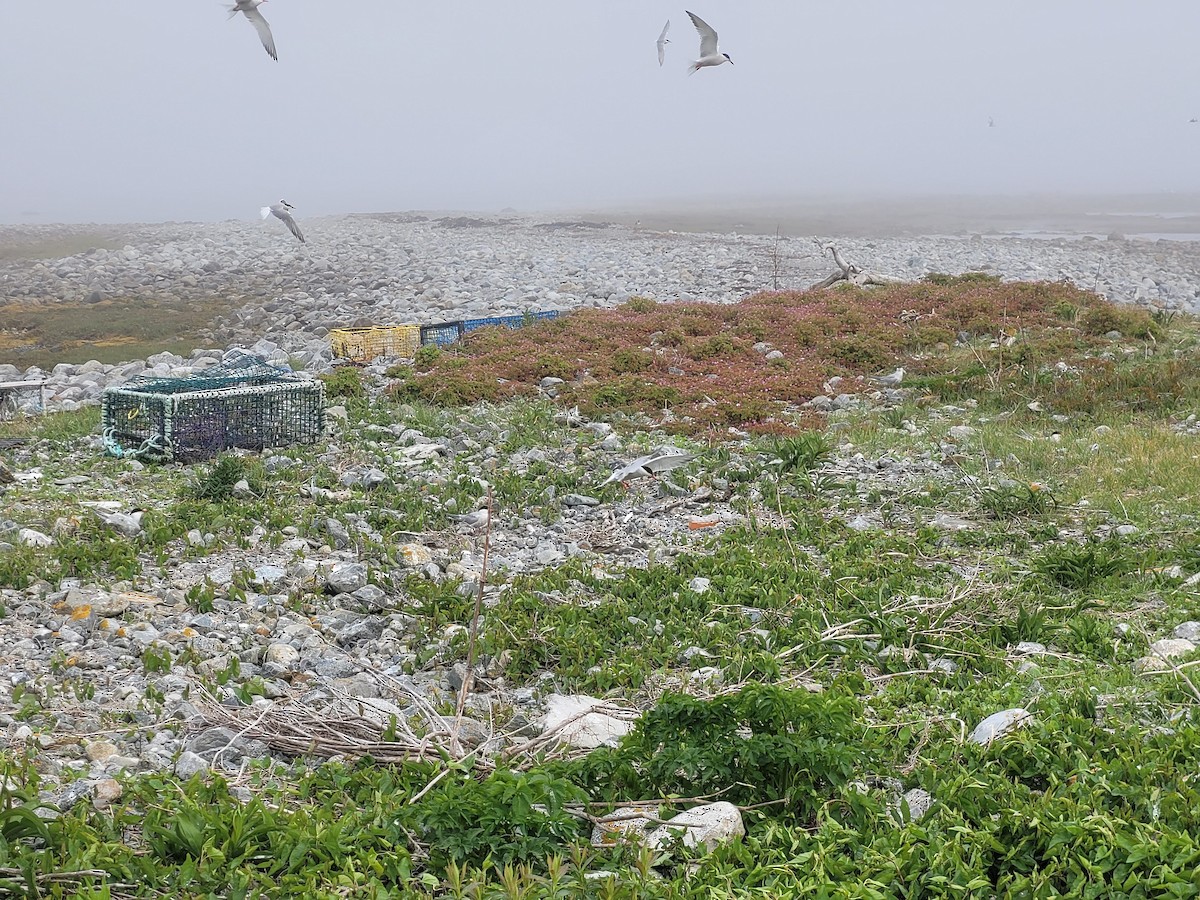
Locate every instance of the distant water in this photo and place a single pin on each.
(1039, 235)
(1149, 215)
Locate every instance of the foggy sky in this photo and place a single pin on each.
(115, 110)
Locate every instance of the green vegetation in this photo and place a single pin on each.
(958, 337)
(851, 624)
(110, 331)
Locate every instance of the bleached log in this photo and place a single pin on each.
(847, 271)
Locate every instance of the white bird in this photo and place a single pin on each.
(891, 379)
(662, 42)
(650, 465)
(709, 54)
(991, 122)
(250, 9)
(280, 211)
(476, 520)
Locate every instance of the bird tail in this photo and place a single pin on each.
(232, 11)
(693, 69)
(264, 211)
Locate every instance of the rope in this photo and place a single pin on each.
(150, 446)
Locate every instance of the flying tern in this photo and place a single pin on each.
(662, 42)
(281, 211)
(709, 54)
(250, 9)
(650, 465)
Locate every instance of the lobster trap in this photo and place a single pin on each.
(441, 333)
(365, 344)
(511, 322)
(243, 403)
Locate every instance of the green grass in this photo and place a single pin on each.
(111, 331)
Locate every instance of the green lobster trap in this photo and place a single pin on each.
(243, 402)
(364, 344)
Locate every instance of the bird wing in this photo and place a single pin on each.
(264, 31)
(286, 216)
(708, 37)
(661, 43)
(665, 462)
(635, 469)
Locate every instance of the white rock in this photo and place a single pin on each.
(32, 538)
(999, 724)
(568, 717)
(704, 826)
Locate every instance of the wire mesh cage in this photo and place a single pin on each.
(244, 403)
(364, 344)
(441, 333)
(513, 322)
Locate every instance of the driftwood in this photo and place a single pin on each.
(847, 272)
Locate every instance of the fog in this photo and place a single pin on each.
(112, 110)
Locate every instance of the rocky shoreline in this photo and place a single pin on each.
(405, 268)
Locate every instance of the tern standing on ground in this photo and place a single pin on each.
(250, 9)
(709, 54)
(662, 42)
(281, 211)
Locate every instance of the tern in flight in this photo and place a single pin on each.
(709, 54)
(282, 211)
(662, 42)
(649, 466)
(250, 9)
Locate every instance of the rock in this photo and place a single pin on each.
(568, 717)
(918, 803)
(699, 585)
(414, 555)
(579, 500)
(127, 524)
(283, 655)
(1171, 648)
(106, 792)
(98, 751)
(101, 603)
(33, 538)
(190, 764)
(346, 578)
(1030, 648)
(627, 824)
(225, 746)
(1188, 631)
(946, 522)
(706, 826)
(998, 724)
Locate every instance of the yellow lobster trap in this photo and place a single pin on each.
(365, 344)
